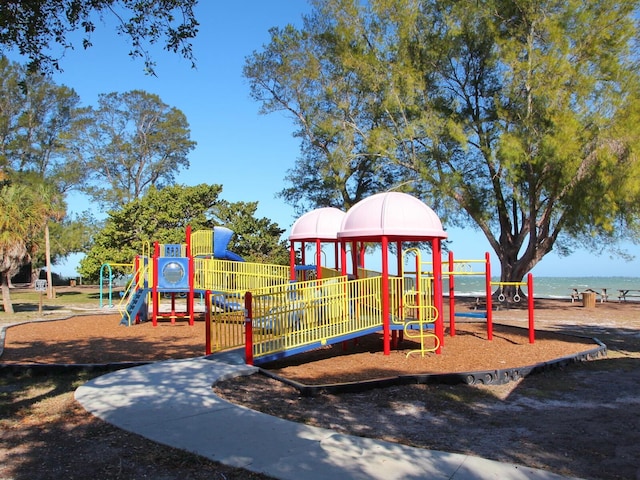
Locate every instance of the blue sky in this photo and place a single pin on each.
(247, 153)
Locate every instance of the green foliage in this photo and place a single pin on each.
(36, 119)
(162, 215)
(517, 118)
(23, 216)
(130, 142)
(36, 116)
(38, 28)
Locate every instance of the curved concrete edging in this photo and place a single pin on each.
(480, 377)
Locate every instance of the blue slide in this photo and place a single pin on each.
(221, 238)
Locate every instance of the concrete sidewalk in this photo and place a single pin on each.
(173, 403)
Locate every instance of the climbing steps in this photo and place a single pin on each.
(135, 306)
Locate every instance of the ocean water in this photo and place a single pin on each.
(554, 287)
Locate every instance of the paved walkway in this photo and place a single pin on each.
(173, 403)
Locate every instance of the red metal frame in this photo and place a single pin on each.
(248, 329)
(487, 259)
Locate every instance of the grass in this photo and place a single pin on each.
(26, 301)
(28, 396)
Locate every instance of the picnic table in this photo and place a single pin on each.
(602, 293)
(627, 292)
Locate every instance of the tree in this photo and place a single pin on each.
(22, 218)
(36, 117)
(162, 215)
(256, 239)
(42, 30)
(518, 118)
(36, 122)
(333, 110)
(130, 142)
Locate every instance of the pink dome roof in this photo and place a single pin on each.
(392, 214)
(322, 224)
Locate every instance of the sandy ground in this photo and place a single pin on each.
(580, 420)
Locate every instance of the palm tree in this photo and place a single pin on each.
(23, 215)
(55, 210)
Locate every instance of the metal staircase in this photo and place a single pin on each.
(137, 305)
(133, 305)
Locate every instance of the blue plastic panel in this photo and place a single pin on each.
(173, 274)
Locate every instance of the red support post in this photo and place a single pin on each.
(136, 282)
(173, 307)
(400, 270)
(207, 320)
(386, 326)
(437, 291)
(248, 328)
(487, 258)
(532, 333)
(188, 240)
(191, 294)
(292, 262)
(154, 288)
(354, 258)
(318, 258)
(452, 297)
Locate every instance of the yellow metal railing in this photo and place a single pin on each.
(226, 321)
(421, 316)
(423, 330)
(202, 243)
(229, 276)
(314, 312)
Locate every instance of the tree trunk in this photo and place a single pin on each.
(512, 270)
(47, 255)
(6, 294)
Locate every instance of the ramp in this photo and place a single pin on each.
(308, 315)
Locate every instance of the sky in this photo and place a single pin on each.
(245, 152)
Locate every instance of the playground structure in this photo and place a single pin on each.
(275, 311)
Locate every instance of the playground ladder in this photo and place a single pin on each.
(134, 306)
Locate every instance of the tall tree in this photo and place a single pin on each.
(516, 117)
(36, 119)
(130, 142)
(162, 215)
(333, 110)
(43, 29)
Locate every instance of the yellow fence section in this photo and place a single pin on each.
(202, 243)
(330, 272)
(364, 273)
(230, 276)
(172, 249)
(316, 312)
(226, 321)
